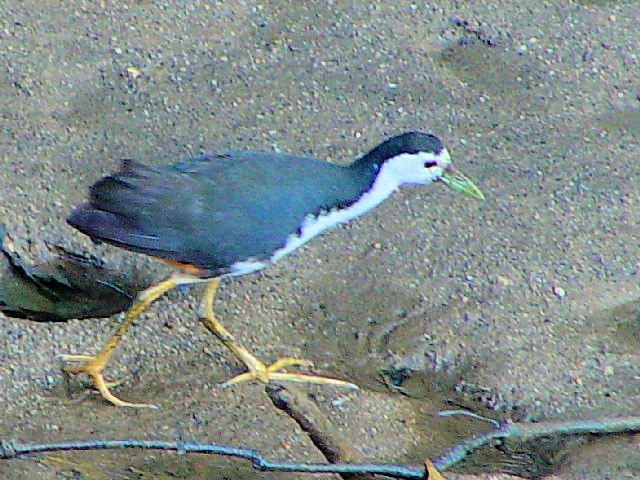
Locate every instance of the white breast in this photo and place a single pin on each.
(383, 186)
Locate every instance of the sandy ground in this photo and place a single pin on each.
(530, 298)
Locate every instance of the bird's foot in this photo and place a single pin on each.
(92, 367)
(267, 373)
(256, 369)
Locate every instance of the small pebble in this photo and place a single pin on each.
(338, 402)
(134, 72)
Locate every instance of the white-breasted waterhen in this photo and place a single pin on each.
(229, 214)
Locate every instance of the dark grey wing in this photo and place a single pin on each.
(133, 209)
(213, 210)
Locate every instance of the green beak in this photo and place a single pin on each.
(459, 182)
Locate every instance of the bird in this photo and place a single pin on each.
(229, 214)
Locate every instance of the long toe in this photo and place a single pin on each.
(272, 373)
(89, 366)
(92, 368)
(306, 378)
(99, 382)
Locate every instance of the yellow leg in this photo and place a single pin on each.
(93, 365)
(257, 369)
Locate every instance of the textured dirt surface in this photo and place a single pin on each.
(529, 301)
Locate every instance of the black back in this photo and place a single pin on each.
(217, 209)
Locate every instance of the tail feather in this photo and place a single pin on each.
(136, 208)
(134, 169)
(121, 193)
(118, 195)
(113, 213)
(113, 228)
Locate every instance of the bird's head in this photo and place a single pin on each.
(421, 158)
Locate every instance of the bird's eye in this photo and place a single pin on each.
(430, 164)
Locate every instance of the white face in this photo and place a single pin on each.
(419, 168)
